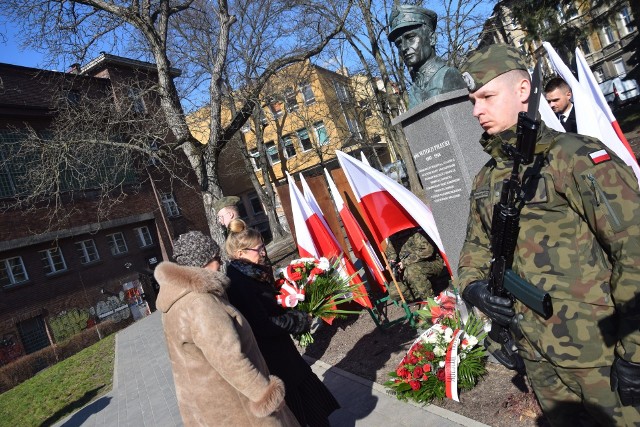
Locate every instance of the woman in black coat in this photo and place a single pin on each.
(253, 293)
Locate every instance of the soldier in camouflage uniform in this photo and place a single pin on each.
(579, 241)
(418, 266)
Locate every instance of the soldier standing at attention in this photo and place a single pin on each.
(417, 264)
(579, 240)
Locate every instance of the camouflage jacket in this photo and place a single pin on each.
(418, 255)
(579, 240)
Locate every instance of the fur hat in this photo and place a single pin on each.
(488, 63)
(194, 249)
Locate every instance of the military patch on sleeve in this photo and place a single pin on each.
(599, 156)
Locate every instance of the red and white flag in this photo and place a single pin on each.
(360, 244)
(301, 212)
(389, 206)
(327, 244)
(591, 120)
(591, 86)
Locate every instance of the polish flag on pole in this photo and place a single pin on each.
(301, 211)
(590, 85)
(591, 120)
(359, 242)
(328, 246)
(389, 206)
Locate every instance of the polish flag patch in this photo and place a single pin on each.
(599, 156)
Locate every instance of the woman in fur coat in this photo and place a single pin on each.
(253, 293)
(219, 373)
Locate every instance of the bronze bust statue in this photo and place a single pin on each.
(412, 30)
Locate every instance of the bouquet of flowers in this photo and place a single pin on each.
(444, 358)
(316, 287)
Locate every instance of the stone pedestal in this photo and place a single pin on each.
(443, 137)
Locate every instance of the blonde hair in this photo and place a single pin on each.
(240, 237)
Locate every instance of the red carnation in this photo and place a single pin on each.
(413, 360)
(417, 372)
(415, 385)
(429, 355)
(442, 376)
(402, 372)
(426, 368)
(425, 377)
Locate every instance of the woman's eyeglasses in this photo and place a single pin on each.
(261, 248)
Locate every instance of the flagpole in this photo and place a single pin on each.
(393, 277)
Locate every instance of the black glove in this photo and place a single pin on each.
(294, 322)
(499, 309)
(625, 379)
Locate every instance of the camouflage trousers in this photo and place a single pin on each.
(578, 397)
(412, 291)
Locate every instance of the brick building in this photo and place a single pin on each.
(96, 260)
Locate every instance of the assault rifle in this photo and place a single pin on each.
(505, 225)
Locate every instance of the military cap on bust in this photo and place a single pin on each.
(489, 62)
(405, 15)
(225, 202)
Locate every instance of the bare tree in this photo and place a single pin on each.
(74, 27)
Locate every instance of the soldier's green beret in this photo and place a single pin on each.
(405, 15)
(224, 202)
(489, 62)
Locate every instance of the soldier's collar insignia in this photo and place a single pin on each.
(599, 156)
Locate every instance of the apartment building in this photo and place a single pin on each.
(95, 261)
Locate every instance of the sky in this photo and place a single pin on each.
(10, 52)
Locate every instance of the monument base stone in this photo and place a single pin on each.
(443, 137)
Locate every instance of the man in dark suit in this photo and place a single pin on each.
(558, 94)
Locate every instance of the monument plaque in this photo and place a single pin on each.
(443, 137)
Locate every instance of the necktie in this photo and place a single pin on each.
(562, 118)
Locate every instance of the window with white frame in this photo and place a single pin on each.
(277, 109)
(618, 64)
(52, 261)
(307, 94)
(321, 133)
(341, 91)
(143, 236)
(599, 75)
(170, 205)
(305, 141)
(87, 251)
(272, 152)
(254, 156)
(353, 127)
(291, 100)
(609, 37)
(288, 147)
(625, 18)
(256, 204)
(117, 244)
(12, 271)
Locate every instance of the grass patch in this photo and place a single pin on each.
(61, 389)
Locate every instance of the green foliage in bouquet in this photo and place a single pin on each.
(315, 287)
(420, 376)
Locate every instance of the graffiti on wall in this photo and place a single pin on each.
(10, 348)
(68, 323)
(114, 308)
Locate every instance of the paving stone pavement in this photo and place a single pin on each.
(144, 395)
